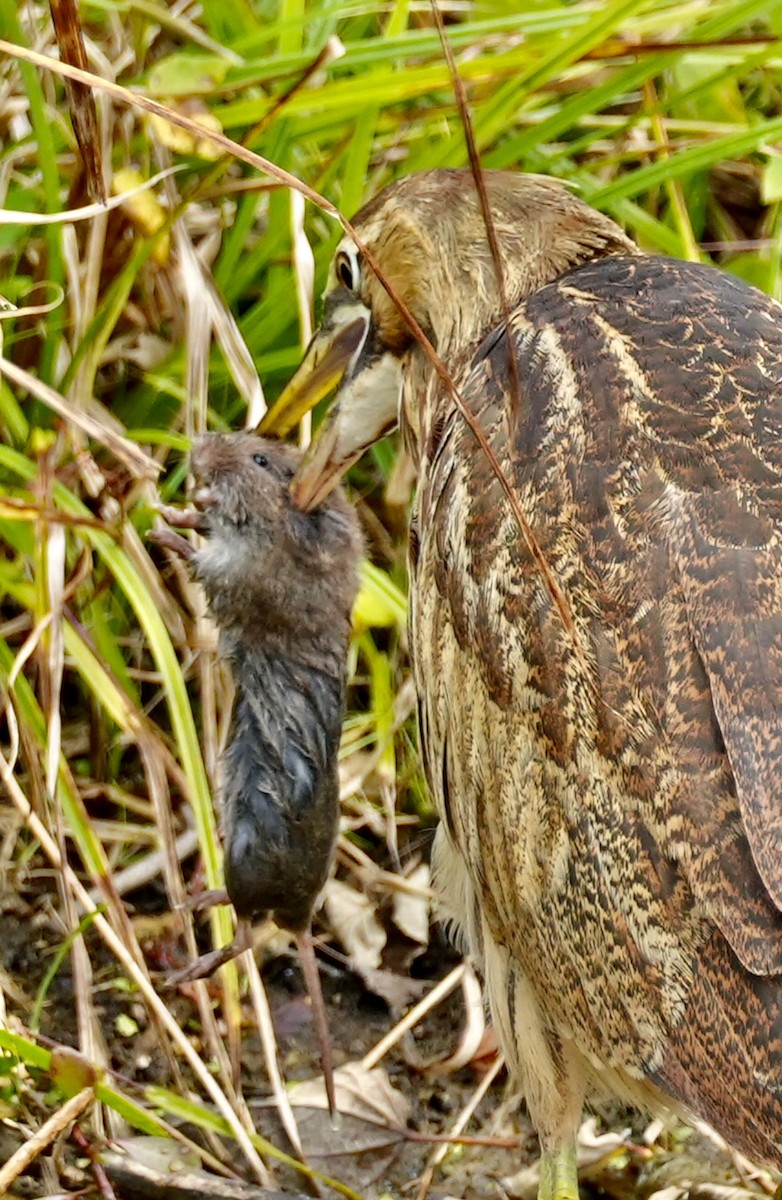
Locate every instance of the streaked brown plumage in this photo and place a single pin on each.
(604, 742)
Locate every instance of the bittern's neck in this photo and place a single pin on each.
(469, 303)
(425, 397)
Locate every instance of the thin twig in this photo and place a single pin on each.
(263, 1018)
(51, 1129)
(464, 1116)
(411, 1019)
(483, 196)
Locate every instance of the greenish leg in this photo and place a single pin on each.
(558, 1175)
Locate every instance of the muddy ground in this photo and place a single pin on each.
(372, 1165)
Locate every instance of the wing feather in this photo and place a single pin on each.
(680, 377)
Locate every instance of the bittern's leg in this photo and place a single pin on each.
(558, 1174)
(547, 1066)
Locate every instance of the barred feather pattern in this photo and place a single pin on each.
(609, 786)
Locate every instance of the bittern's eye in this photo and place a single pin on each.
(347, 271)
(261, 460)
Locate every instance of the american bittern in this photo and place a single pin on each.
(596, 632)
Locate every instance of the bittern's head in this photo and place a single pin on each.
(427, 235)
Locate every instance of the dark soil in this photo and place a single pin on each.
(30, 937)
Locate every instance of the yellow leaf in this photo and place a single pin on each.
(71, 1072)
(144, 209)
(379, 603)
(182, 141)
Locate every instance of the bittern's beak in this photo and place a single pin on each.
(365, 408)
(328, 356)
(344, 350)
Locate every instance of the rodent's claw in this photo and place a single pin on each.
(206, 965)
(204, 496)
(204, 900)
(182, 518)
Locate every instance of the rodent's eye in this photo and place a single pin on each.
(348, 271)
(261, 460)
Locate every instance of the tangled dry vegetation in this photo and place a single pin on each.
(178, 306)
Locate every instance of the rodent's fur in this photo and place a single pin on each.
(280, 584)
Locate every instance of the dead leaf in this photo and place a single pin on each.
(352, 917)
(151, 1168)
(159, 1154)
(472, 1036)
(398, 991)
(364, 1094)
(372, 1118)
(410, 910)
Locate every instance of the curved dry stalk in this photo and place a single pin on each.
(13, 216)
(136, 100)
(473, 155)
(555, 590)
(134, 458)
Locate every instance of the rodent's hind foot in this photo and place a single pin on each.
(204, 900)
(181, 518)
(207, 964)
(161, 535)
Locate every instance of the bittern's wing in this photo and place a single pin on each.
(648, 462)
(684, 403)
(669, 462)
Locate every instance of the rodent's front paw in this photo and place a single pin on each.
(182, 518)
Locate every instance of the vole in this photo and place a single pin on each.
(280, 584)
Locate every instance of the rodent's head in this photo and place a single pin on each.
(267, 567)
(242, 479)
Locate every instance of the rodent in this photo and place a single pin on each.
(280, 584)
